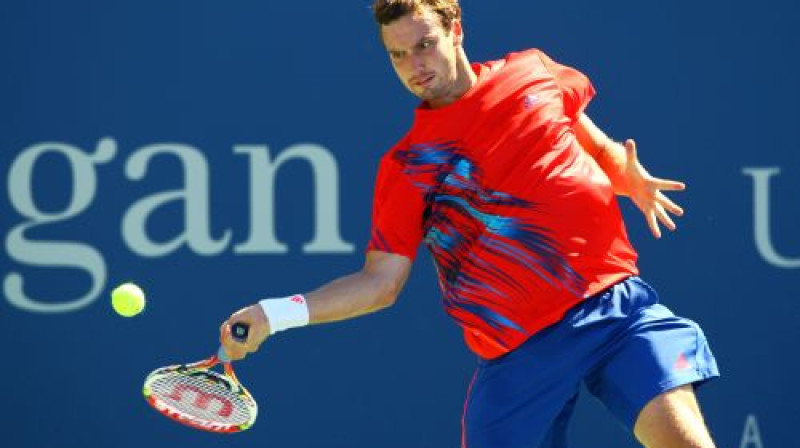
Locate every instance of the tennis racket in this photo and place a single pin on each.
(194, 395)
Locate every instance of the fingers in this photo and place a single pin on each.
(233, 349)
(664, 218)
(254, 317)
(630, 149)
(656, 212)
(669, 185)
(667, 203)
(661, 184)
(652, 222)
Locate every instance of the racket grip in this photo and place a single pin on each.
(239, 331)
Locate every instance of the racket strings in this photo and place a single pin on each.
(203, 395)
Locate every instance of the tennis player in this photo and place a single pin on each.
(512, 189)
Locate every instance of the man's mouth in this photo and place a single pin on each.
(422, 81)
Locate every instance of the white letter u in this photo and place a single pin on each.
(761, 218)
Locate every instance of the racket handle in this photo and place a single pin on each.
(239, 331)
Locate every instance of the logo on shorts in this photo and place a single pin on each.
(298, 299)
(682, 363)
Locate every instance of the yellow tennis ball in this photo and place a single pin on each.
(127, 299)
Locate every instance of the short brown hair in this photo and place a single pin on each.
(387, 11)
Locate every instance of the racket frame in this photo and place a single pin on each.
(202, 366)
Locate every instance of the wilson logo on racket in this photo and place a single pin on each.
(202, 399)
(195, 421)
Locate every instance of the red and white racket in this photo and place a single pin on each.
(194, 395)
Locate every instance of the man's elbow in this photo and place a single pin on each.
(389, 291)
(386, 276)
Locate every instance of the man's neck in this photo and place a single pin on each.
(465, 79)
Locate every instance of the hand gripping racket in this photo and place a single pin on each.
(194, 395)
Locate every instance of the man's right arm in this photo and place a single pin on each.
(374, 287)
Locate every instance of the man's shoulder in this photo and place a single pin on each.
(519, 55)
(526, 61)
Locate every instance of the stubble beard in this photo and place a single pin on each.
(432, 94)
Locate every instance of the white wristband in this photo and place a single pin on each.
(285, 313)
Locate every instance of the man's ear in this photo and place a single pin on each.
(458, 32)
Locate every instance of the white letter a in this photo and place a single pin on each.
(751, 437)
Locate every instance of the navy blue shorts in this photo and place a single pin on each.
(624, 345)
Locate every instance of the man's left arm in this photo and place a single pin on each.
(628, 176)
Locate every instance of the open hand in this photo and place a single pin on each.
(646, 192)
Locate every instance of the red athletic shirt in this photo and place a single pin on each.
(522, 223)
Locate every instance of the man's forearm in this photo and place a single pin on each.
(610, 155)
(612, 159)
(350, 296)
(375, 287)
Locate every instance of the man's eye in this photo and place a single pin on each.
(426, 44)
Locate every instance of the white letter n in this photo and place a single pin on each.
(327, 238)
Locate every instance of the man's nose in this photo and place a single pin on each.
(417, 63)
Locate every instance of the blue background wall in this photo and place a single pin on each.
(708, 89)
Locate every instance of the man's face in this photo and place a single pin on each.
(423, 54)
